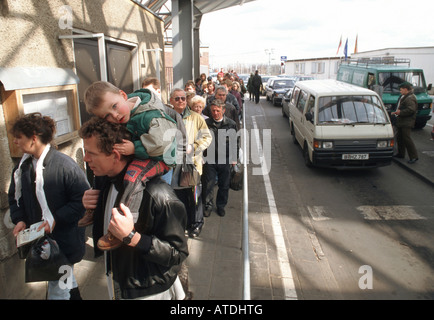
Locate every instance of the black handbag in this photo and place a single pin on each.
(237, 177)
(189, 176)
(44, 260)
(24, 250)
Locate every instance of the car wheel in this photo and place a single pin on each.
(294, 139)
(307, 161)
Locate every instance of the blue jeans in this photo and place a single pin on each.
(168, 177)
(56, 293)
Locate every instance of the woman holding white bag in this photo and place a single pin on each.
(48, 186)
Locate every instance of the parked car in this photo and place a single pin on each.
(265, 85)
(213, 75)
(245, 78)
(303, 78)
(265, 80)
(340, 125)
(285, 103)
(277, 88)
(297, 78)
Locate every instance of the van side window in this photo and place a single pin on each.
(371, 80)
(311, 107)
(295, 96)
(302, 101)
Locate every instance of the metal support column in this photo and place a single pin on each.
(196, 43)
(182, 28)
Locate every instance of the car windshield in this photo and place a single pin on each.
(351, 110)
(278, 84)
(391, 80)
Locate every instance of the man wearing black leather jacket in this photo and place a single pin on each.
(146, 215)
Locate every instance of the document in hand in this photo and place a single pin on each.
(30, 234)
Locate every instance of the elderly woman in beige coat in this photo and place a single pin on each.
(199, 139)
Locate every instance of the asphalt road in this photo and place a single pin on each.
(365, 234)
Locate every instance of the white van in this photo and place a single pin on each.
(340, 125)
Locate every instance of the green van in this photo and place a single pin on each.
(384, 77)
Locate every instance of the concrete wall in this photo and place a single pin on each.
(29, 31)
(319, 68)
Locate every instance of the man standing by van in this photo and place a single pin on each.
(406, 116)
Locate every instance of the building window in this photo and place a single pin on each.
(300, 68)
(318, 67)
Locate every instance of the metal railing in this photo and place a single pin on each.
(245, 234)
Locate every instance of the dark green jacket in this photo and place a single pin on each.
(153, 131)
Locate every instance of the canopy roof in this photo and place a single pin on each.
(162, 8)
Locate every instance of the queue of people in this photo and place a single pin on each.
(135, 146)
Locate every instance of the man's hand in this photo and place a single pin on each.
(90, 199)
(46, 226)
(121, 224)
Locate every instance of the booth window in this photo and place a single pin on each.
(50, 91)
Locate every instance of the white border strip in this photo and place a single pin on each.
(282, 256)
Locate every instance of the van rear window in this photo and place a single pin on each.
(351, 110)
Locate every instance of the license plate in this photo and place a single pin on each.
(355, 156)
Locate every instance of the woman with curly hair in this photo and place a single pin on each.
(48, 186)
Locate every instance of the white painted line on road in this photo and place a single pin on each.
(389, 213)
(317, 213)
(282, 255)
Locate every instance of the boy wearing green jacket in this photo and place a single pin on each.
(152, 130)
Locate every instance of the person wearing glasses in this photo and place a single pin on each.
(199, 138)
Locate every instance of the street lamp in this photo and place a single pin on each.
(269, 52)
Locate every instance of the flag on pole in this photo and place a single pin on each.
(339, 46)
(346, 49)
(355, 47)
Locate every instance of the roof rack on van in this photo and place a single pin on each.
(377, 60)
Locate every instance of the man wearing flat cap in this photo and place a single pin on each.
(405, 118)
